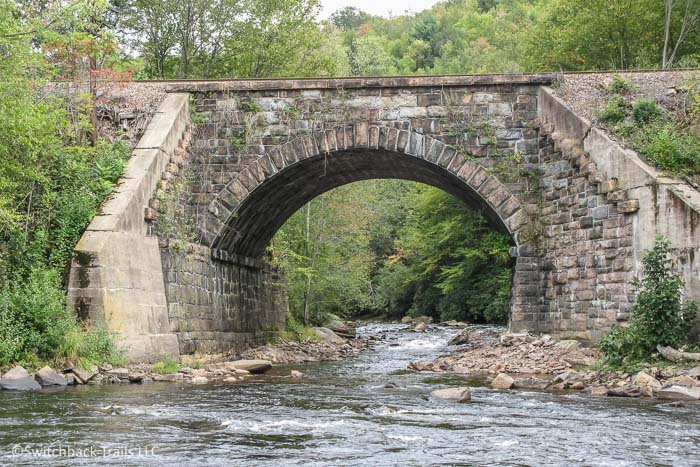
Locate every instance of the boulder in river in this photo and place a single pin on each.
(460, 394)
(252, 366)
(694, 372)
(83, 376)
(199, 380)
(531, 383)
(48, 377)
(502, 381)
(326, 335)
(680, 393)
(420, 327)
(296, 374)
(625, 391)
(461, 338)
(646, 383)
(18, 379)
(599, 391)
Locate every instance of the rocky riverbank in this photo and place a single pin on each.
(328, 346)
(522, 361)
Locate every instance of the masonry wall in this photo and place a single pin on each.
(218, 308)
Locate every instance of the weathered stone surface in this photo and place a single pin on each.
(83, 376)
(624, 391)
(646, 383)
(46, 376)
(531, 383)
(461, 394)
(253, 366)
(502, 381)
(326, 334)
(18, 379)
(461, 338)
(679, 393)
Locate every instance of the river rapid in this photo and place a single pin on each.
(341, 413)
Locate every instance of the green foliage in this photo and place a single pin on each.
(619, 85)
(669, 149)
(367, 252)
(658, 315)
(36, 326)
(615, 110)
(646, 111)
(166, 367)
(447, 263)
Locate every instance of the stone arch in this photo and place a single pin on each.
(245, 215)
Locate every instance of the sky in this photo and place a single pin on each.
(377, 7)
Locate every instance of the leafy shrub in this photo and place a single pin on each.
(658, 316)
(36, 326)
(615, 110)
(669, 149)
(33, 318)
(646, 111)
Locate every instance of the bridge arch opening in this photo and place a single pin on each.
(255, 204)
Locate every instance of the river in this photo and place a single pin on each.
(341, 413)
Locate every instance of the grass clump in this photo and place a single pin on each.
(166, 367)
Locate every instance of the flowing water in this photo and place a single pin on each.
(341, 414)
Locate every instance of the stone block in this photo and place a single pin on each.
(628, 207)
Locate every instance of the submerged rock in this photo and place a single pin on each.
(420, 327)
(460, 394)
(48, 377)
(531, 383)
(18, 379)
(296, 374)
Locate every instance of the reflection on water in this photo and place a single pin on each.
(342, 414)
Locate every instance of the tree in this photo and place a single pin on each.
(349, 18)
(689, 22)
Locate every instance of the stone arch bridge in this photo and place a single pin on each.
(242, 156)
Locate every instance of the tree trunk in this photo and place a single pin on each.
(307, 292)
(669, 353)
(667, 33)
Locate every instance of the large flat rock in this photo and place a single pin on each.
(253, 366)
(18, 379)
